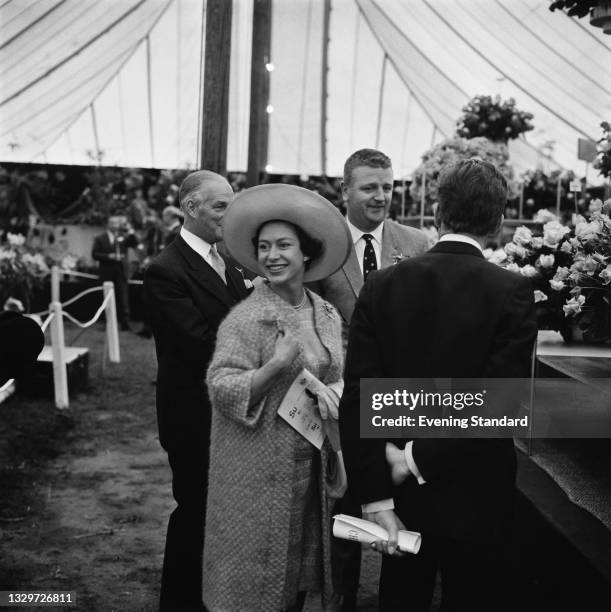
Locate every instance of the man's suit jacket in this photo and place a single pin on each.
(187, 301)
(447, 314)
(343, 287)
(112, 269)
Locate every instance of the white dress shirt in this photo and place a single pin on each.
(360, 243)
(200, 246)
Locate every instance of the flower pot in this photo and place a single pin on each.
(600, 17)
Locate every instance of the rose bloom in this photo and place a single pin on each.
(515, 250)
(557, 285)
(546, 261)
(513, 267)
(544, 216)
(595, 205)
(522, 236)
(566, 247)
(528, 271)
(553, 233)
(587, 231)
(590, 265)
(562, 273)
(575, 276)
(540, 296)
(538, 242)
(606, 275)
(573, 306)
(496, 257)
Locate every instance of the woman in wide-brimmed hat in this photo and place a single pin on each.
(267, 523)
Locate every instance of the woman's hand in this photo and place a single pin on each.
(327, 404)
(286, 349)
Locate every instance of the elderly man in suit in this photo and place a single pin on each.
(377, 243)
(189, 288)
(446, 314)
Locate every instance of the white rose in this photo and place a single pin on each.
(522, 236)
(540, 296)
(528, 271)
(546, 261)
(557, 285)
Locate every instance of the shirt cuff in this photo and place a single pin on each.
(411, 464)
(378, 506)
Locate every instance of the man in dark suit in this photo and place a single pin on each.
(110, 251)
(377, 242)
(446, 314)
(189, 289)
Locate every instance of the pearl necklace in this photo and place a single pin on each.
(302, 303)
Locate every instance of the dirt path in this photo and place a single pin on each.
(86, 492)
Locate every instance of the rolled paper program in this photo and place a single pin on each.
(348, 527)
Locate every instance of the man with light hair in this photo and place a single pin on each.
(189, 289)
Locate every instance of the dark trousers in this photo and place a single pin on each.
(181, 580)
(475, 577)
(121, 296)
(346, 557)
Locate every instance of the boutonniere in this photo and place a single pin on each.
(269, 317)
(397, 256)
(247, 282)
(329, 310)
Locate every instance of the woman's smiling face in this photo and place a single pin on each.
(279, 254)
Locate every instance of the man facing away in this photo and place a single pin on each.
(377, 242)
(189, 289)
(446, 314)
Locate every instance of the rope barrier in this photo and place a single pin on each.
(81, 294)
(96, 316)
(47, 321)
(82, 274)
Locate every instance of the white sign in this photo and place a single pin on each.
(575, 186)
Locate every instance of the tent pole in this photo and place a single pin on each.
(381, 101)
(258, 130)
(324, 95)
(216, 86)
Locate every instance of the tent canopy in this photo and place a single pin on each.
(119, 81)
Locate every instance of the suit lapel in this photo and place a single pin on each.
(202, 273)
(353, 272)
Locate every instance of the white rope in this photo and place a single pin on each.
(96, 316)
(46, 322)
(6, 385)
(81, 294)
(75, 273)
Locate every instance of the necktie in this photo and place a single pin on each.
(369, 257)
(216, 261)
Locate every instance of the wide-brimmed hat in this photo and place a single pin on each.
(316, 216)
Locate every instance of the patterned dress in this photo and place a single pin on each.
(304, 555)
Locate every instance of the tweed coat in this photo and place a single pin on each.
(251, 457)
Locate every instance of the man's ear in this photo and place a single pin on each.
(437, 216)
(498, 226)
(190, 207)
(344, 189)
